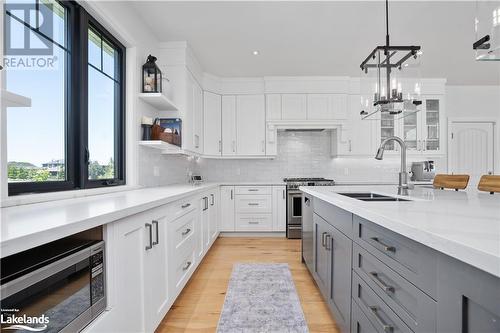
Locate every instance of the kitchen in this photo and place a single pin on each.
(250, 166)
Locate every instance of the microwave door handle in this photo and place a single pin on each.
(15, 286)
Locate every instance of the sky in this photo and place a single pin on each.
(36, 134)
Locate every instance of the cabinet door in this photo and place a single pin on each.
(213, 231)
(228, 125)
(201, 230)
(156, 274)
(273, 107)
(319, 107)
(339, 247)
(433, 129)
(226, 208)
(212, 120)
(188, 117)
(293, 106)
(410, 130)
(279, 208)
(250, 125)
(198, 118)
(322, 255)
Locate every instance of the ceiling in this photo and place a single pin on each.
(320, 38)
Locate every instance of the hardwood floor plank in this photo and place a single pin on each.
(198, 307)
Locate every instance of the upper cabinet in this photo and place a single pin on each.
(228, 125)
(293, 106)
(212, 124)
(193, 116)
(250, 125)
(273, 107)
(326, 106)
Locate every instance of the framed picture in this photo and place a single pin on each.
(170, 131)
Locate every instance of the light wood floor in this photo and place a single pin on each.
(198, 307)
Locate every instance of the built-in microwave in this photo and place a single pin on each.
(57, 287)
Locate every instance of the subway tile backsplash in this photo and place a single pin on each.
(300, 154)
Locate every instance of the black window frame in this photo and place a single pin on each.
(76, 112)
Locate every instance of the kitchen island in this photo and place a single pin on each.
(428, 264)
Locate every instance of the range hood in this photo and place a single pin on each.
(305, 129)
(303, 125)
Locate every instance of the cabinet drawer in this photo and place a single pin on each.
(378, 313)
(415, 262)
(184, 265)
(254, 222)
(182, 207)
(337, 217)
(253, 203)
(412, 305)
(359, 322)
(253, 189)
(182, 229)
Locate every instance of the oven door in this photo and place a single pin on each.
(294, 214)
(59, 296)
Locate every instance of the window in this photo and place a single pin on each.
(72, 136)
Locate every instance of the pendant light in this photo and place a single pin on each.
(487, 30)
(392, 82)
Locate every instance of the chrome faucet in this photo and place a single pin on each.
(403, 175)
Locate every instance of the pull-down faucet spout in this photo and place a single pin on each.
(403, 175)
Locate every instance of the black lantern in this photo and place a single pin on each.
(151, 76)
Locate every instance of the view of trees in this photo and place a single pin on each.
(27, 172)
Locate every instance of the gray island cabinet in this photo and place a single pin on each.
(376, 280)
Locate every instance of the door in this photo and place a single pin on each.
(228, 125)
(433, 129)
(273, 107)
(201, 231)
(358, 134)
(250, 125)
(319, 107)
(212, 124)
(279, 208)
(294, 214)
(198, 118)
(293, 106)
(340, 251)
(322, 255)
(156, 273)
(226, 208)
(471, 149)
(213, 209)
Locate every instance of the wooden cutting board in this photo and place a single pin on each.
(489, 183)
(457, 182)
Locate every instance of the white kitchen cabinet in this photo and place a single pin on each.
(273, 107)
(193, 116)
(250, 125)
(319, 106)
(293, 106)
(213, 230)
(226, 208)
(212, 124)
(356, 137)
(279, 208)
(271, 141)
(156, 271)
(228, 125)
(201, 227)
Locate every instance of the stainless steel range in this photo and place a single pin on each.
(294, 202)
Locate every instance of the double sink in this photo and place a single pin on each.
(368, 196)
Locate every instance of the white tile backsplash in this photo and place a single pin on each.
(300, 154)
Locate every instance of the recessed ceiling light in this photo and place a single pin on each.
(255, 52)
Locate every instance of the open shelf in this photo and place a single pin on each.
(165, 147)
(159, 101)
(12, 100)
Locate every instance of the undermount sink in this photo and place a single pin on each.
(368, 196)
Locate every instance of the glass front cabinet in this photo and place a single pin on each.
(424, 132)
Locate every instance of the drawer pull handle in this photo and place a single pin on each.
(185, 205)
(386, 327)
(187, 266)
(323, 239)
(184, 233)
(253, 204)
(149, 226)
(157, 241)
(387, 288)
(327, 241)
(253, 222)
(387, 248)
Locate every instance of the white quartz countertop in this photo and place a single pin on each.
(464, 225)
(26, 226)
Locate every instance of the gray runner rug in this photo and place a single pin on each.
(261, 298)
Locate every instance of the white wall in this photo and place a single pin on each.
(476, 103)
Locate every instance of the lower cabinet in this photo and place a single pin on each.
(226, 208)
(333, 270)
